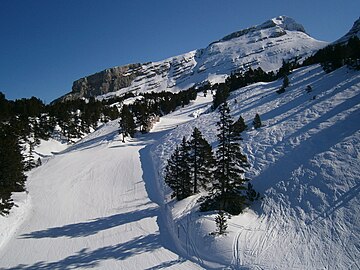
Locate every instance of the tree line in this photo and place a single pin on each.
(24, 122)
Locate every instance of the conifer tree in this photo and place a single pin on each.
(12, 178)
(257, 121)
(172, 173)
(201, 161)
(127, 124)
(185, 176)
(231, 165)
(222, 93)
(221, 223)
(239, 126)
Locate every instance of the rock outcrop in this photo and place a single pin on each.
(265, 46)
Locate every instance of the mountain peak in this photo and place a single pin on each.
(282, 22)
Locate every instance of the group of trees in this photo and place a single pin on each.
(190, 167)
(24, 122)
(144, 111)
(241, 79)
(12, 176)
(193, 167)
(337, 55)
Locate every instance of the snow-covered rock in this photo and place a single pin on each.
(265, 46)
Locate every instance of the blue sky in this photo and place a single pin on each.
(47, 44)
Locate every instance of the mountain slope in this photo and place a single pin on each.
(262, 46)
(93, 206)
(305, 162)
(100, 203)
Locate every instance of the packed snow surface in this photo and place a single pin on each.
(102, 204)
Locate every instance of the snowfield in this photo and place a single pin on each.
(102, 203)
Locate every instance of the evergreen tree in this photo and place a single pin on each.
(231, 163)
(12, 178)
(239, 126)
(257, 121)
(172, 173)
(221, 223)
(201, 161)
(185, 173)
(127, 124)
(221, 95)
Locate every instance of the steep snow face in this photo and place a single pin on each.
(305, 163)
(265, 46)
(354, 32)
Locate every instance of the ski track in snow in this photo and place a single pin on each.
(97, 204)
(102, 203)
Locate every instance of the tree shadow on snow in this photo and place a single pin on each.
(317, 143)
(86, 258)
(84, 229)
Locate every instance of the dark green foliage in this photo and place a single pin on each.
(237, 80)
(257, 121)
(221, 223)
(177, 171)
(251, 194)
(239, 126)
(190, 167)
(201, 161)
(127, 123)
(338, 55)
(172, 173)
(12, 178)
(185, 171)
(221, 95)
(228, 187)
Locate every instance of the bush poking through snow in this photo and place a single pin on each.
(221, 223)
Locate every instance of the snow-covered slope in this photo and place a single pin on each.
(94, 205)
(265, 46)
(305, 162)
(100, 203)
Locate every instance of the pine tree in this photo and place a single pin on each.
(12, 178)
(172, 173)
(257, 121)
(201, 161)
(221, 95)
(127, 123)
(221, 223)
(231, 165)
(239, 126)
(185, 176)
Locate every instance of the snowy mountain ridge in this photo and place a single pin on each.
(265, 46)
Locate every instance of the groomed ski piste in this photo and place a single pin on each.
(102, 203)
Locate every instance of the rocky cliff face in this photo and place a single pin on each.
(262, 46)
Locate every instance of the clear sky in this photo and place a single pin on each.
(47, 44)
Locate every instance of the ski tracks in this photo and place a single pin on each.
(236, 261)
